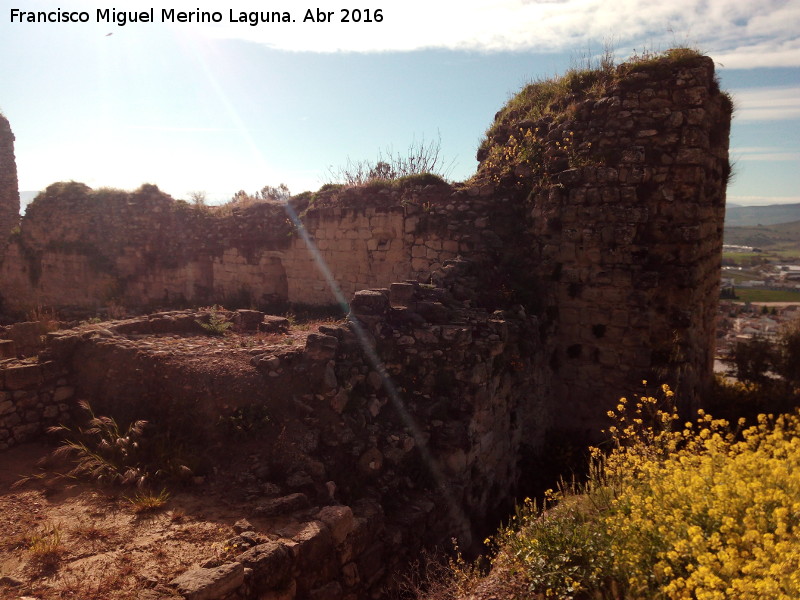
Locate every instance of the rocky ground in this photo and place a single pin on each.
(63, 538)
(67, 539)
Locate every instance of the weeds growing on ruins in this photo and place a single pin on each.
(217, 323)
(102, 452)
(420, 158)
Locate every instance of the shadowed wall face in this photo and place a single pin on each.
(626, 215)
(9, 191)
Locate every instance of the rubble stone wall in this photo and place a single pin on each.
(9, 190)
(33, 396)
(80, 247)
(405, 422)
(610, 234)
(629, 239)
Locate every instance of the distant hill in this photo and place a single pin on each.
(763, 236)
(743, 216)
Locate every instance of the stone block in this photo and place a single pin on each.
(370, 303)
(273, 324)
(22, 433)
(314, 543)
(209, 584)
(283, 505)
(339, 520)
(271, 563)
(63, 393)
(321, 347)
(248, 320)
(7, 349)
(401, 294)
(20, 377)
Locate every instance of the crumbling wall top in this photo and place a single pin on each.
(9, 190)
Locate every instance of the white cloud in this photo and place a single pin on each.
(738, 34)
(764, 154)
(762, 200)
(766, 104)
(735, 33)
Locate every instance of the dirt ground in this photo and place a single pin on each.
(61, 538)
(65, 539)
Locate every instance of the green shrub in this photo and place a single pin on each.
(217, 323)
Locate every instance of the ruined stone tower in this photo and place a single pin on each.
(9, 192)
(626, 211)
(597, 209)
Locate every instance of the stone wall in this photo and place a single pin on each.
(86, 248)
(601, 213)
(408, 418)
(626, 212)
(33, 396)
(582, 258)
(9, 191)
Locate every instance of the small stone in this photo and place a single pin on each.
(63, 393)
(242, 525)
(339, 520)
(299, 479)
(371, 462)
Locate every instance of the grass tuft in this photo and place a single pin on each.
(147, 501)
(46, 548)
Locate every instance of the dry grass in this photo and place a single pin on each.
(45, 549)
(177, 515)
(148, 501)
(421, 158)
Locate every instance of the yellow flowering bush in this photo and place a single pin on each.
(695, 510)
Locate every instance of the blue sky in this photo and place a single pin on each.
(228, 106)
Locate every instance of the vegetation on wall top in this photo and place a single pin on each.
(532, 135)
(593, 80)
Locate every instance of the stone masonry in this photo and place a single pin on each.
(610, 234)
(627, 231)
(9, 192)
(581, 259)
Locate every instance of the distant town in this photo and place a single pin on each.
(760, 287)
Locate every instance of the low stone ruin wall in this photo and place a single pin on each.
(33, 396)
(332, 552)
(86, 248)
(395, 430)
